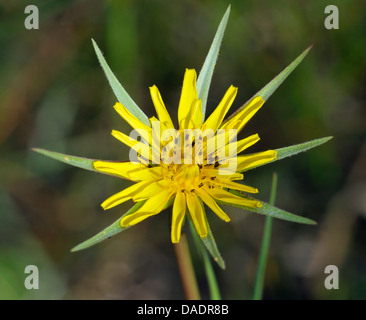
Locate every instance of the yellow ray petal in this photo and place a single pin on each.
(194, 116)
(125, 139)
(124, 195)
(218, 142)
(146, 174)
(213, 172)
(160, 108)
(122, 169)
(244, 144)
(140, 127)
(231, 151)
(229, 198)
(158, 127)
(134, 171)
(141, 148)
(242, 117)
(156, 143)
(233, 185)
(179, 210)
(188, 95)
(215, 119)
(150, 190)
(211, 203)
(253, 160)
(151, 207)
(197, 214)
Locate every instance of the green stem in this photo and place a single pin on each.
(259, 280)
(210, 273)
(186, 269)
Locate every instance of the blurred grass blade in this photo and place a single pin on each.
(295, 149)
(205, 76)
(269, 210)
(108, 232)
(266, 240)
(272, 86)
(211, 277)
(121, 94)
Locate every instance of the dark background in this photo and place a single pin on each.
(53, 95)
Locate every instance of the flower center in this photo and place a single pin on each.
(183, 177)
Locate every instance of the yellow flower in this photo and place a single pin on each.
(187, 167)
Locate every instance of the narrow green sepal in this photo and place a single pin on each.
(121, 94)
(210, 244)
(272, 86)
(205, 75)
(269, 210)
(80, 162)
(108, 232)
(113, 229)
(290, 151)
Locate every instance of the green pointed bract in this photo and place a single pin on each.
(80, 162)
(269, 210)
(272, 211)
(205, 76)
(108, 232)
(272, 86)
(121, 94)
(210, 244)
(113, 229)
(285, 152)
(297, 148)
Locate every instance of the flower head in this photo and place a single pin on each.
(199, 163)
(196, 164)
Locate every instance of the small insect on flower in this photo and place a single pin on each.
(188, 167)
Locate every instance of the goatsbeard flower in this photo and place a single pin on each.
(194, 165)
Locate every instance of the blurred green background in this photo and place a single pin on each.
(53, 95)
